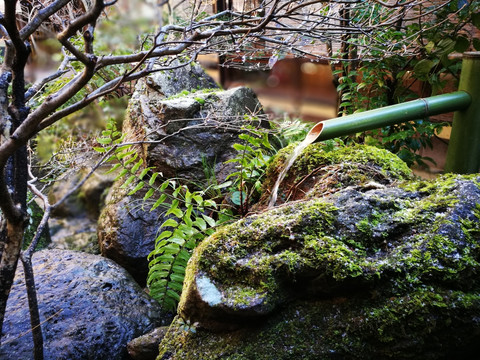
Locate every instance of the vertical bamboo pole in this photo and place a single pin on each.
(463, 155)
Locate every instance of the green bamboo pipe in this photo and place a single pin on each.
(463, 154)
(389, 115)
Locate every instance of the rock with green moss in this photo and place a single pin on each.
(327, 167)
(190, 123)
(366, 273)
(188, 78)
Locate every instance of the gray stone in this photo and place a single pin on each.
(94, 192)
(145, 347)
(74, 233)
(127, 230)
(88, 200)
(191, 130)
(90, 308)
(184, 78)
(73, 205)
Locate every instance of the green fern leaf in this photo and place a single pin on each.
(114, 168)
(144, 172)
(172, 294)
(152, 179)
(177, 240)
(122, 174)
(136, 188)
(128, 181)
(209, 220)
(177, 278)
(149, 194)
(164, 234)
(165, 185)
(176, 286)
(200, 224)
(104, 141)
(136, 166)
(169, 222)
(159, 202)
(121, 156)
(131, 160)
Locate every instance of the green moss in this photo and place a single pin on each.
(241, 297)
(336, 258)
(369, 223)
(318, 154)
(424, 324)
(412, 254)
(324, 168)
(200, 100)
(184, 93)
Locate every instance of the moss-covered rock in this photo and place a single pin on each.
(386, 272)
(324, 168)
(192, 130)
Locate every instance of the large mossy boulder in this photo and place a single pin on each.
(382, 272)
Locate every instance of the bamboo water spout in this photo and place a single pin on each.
(394, 114)
(373, 119)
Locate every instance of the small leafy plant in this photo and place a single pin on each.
(253, 156)
(187, 225)
(391, 79)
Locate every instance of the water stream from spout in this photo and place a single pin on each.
(312, 135)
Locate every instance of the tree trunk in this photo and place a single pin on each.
(33, 306)
(8, 263)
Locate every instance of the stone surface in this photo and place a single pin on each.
(73, 205)
(191, 130)
(191, 77)
(386, 272)
(89, 305)
(94, 192)
(145, 347)
(87, 200)
(127, 232)
(74, 233)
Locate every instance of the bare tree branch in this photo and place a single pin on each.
(41, 17)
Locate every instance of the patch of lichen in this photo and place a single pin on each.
(197, 92)
(435, 197)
